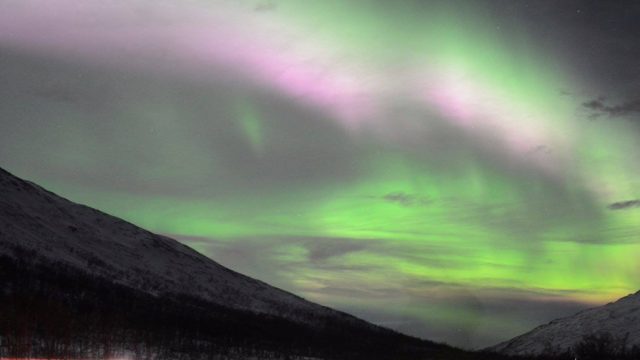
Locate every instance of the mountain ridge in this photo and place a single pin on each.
(619, 319)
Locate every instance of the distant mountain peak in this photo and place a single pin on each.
(619, 319)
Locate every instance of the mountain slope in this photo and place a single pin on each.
(620, 319)
(109, 247)
(122, 286)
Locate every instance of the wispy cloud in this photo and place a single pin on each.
(405, 199)
(600, 106)
(325, 248)
(623, 205)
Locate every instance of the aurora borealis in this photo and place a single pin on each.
(457, 170)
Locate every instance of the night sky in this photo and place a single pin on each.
(458, 170)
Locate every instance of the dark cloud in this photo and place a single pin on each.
(355, 292)
(260, 256)
(323, 249)
(622, 205)
(405, 199)
(600, 106)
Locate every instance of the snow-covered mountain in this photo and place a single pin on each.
(114, 280)
(620, 319)
(60, 230)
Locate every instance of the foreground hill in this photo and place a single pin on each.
(98, 244)
(615, 325)
(77, 282)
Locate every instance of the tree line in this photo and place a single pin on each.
(53, 310)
